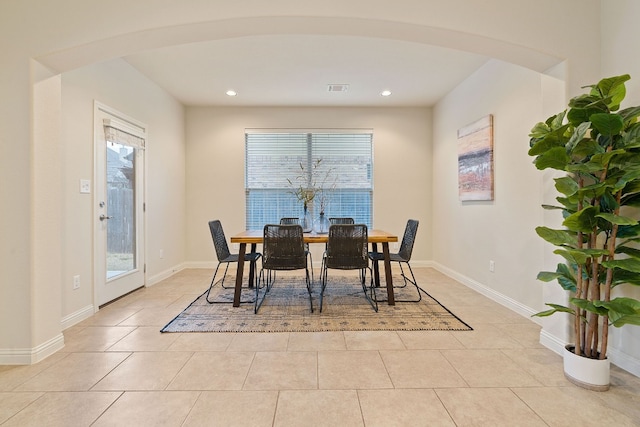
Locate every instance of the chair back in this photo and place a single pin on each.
(409, 238)
(219, 240)
(347, 247)
(289, 221)
(343, 220)
(283, 247)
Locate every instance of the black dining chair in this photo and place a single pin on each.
(341, 220)
(282, 250)
(347, 250)
(225, 257)
(403, 256)
(289, 220)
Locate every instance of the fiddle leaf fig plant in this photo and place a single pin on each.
(598, 146)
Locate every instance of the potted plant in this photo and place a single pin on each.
(598, 146)
(308, 186)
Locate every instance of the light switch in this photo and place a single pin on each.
(85, 186)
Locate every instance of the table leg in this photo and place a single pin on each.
(238, 290)
(387, 273)
(376, 267)
(252, 267)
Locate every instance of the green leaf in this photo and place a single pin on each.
(548, 276)
(578, 135)
(628, 232)
(540, 130)
(589, 306)
(557, 237)
(584, 220)
(632, 252)
(630, 114)
(629, 264)
(633, 200)
(552, 207)
(621, 277)
(622, 311)
(617, 219)
(586, 148)
(566, 185)
(548, 139)
(563, 275)
(574, 256)
(554, 158)
(578, 115)
(555, 308)
(630, 187)
(613, 88)
(602, 159)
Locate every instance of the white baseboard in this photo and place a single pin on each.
(624, 361)
(201, 264)
(553, 343)
(501, 299)
(29, 356)
(77, 317)
(156, 278)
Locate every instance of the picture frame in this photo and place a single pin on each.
(475, 160)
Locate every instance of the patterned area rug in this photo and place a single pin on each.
(286, 309)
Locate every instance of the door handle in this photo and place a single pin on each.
(103, 217)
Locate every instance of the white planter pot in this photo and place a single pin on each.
(592, 374)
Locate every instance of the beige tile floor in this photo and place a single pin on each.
(117, 369)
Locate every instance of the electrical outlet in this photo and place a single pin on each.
(395, 246)
(161, 253)
(492, 266)
(76, 282)
(235, 246)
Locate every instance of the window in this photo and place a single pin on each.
(272, 157)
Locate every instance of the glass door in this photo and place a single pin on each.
(121, 210)
(119, 237)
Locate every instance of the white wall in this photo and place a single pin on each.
(470, 234)
(119, 86)
(215, 166)
(69, 34)
(622, 30)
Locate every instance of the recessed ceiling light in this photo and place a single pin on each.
(231, 93)
(385, 93)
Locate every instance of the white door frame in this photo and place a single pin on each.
(99, 241)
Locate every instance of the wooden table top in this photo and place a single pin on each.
(256, 236)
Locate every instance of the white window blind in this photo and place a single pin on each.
(118, 131)
(272, 157)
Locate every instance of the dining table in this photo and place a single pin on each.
(255, 237)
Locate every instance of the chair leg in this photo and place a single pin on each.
(262, 283)
(372, 289)
(223, 277)
(308, 282)
(406, 279)
(311, 264)
(412, 281)
(213, 280)
(323, 283)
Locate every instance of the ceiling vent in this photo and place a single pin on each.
(338, 88)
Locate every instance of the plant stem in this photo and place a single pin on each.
(577, 319)
(609, 279)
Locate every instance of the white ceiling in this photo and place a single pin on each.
(288, 70)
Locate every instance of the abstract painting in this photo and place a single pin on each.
(475, 160)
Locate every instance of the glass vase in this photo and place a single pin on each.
(322, 224)
(307, 222)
